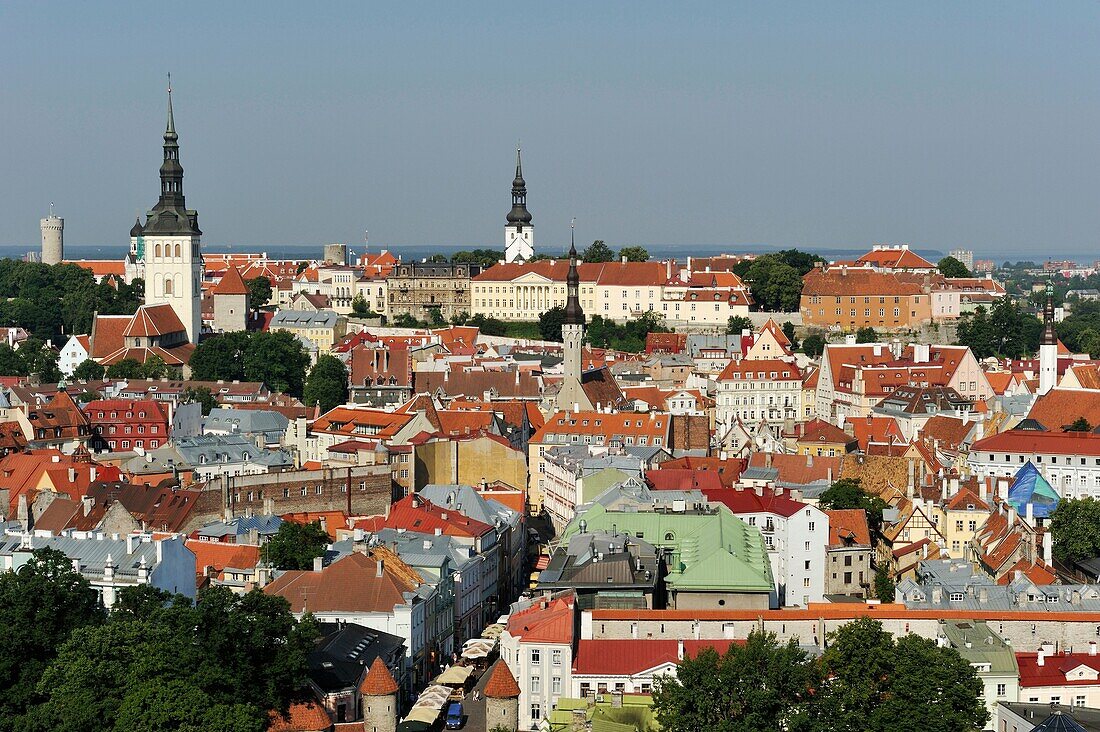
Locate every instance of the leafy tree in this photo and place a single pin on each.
(1089, 342)
(634, 254)
(550, 323)
(203, 396)
(1075, 529)
(295, 546)
(154, 367)
(1080, 329)
(951, 267)
(127, 368)
(539, 256)
(437, 259)
(488, 326)
(41, 604)
(775, 285)
(737, 324)
(259, 291)
(435, 316)
(405, 320)
(1005, 331)
(39, 358)
(359, 306)
(630, 336)
(872, 682)
(1079, 425)
(759, 686)
(867, 334)
(813, 345)
(598, 251)
(884, 585)
(277, 359)
(789, 331)
(803, 262)
(847, 493)
(220, 357)
(88, 370)
(484, 257)
(11, 363)
(302, 267)
(327, 383)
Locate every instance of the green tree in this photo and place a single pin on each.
(539, 256)
(295, 546)
(127, 368)
(278, 360)
(203, 396)
(41, 604)
(550, 323)
(598, 251)
(259, 291)
(874, 683)
(634, 254)
(813, 345)
(737, 324)
(847, 493)
(359, 306)
(1088, 342)
(154, 367)
(1006, 331)
(435, 316)
(405, 320)
(1079, 425)
(485, 258)
(775, 285)
(438, 259)
(11, 363)
(40, 358)
(884, 585)
(789, 331)
(220, 357)
(327, 383)
(951, 267)
(1075, 529)
(763, 685)
(866, 334)
(488, 326)
(88, 370)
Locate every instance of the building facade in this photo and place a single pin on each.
(418, 289)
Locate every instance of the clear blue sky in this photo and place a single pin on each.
(830, 124)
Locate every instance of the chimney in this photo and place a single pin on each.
(680, 649)
(983, 595)
(318, 564)
(72, 474)
(380, 568)
(1092, 648)
(1030, 513)
(87, 503)
(1040, 658)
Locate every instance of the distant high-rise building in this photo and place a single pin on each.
(519, 234)
(966, 256)
(53, 238)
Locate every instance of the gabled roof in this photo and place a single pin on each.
(895, 258)
(848, 527)
(1059, 407)
(821, 432)
(106, 336)
(301, 717)
(545, 621)
(350, 584)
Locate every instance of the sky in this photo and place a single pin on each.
(827, 125)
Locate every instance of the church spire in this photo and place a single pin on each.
(171, 172)
(519, 215)
(171, 128)
(1049, 337)
(574, 315)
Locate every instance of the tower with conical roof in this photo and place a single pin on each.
(519, 234)
(379, 699)
(1048, 346)
(501, 698)
(571, 395)
(169, 242)
(231, 296)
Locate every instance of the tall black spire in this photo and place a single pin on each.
(170, 215)
(573, 313)
(519, 213)
(1049, 337)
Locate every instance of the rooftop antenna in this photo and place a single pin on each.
(51, 209)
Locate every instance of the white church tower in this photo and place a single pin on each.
(1048, 346)
(168, 243)
(519, 234)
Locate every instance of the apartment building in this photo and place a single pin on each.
(754, 390)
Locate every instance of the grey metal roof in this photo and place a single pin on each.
(466, 500)
(602, 559)
(91, 549)
(241, 525)
(696, 342)
(245, 421)
(304, 319)
(955, 585)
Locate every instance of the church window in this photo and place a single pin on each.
(167, 285)
(157, 250)
(177, 249)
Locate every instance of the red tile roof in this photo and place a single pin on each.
(350, 584)
(106, 336)
(876, 429)
(896, 258)
(620, 657)
(379, 681)
(153, 320)
(218, 555)
(799, 469)
(502, 684)
(740, 501)
(301, 717)
(546, 621)
(416, 513)
(1054, 669)
(820, 431)
(231, 283)
(848, 526)
(857, 282)
(747, 369)
(1028, 441)
(1060, 407)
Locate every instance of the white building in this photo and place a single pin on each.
(538, 648)
(796, 535)
(519, 233)
(75, 352)
(1070, 461)
(754, 390)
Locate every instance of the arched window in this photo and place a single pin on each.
(177, 249)
(167, 285)
(157, 251)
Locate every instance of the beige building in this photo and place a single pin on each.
(321, 329)
(417, 289)
(476, 460)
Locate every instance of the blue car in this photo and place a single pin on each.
(454, 715)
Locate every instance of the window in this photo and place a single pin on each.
(555, 657)
(1002, 689)
(536, 711)
(536, 656)
(536, 684)
(956, 597)
(555, 685)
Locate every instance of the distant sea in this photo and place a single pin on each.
(421, 251)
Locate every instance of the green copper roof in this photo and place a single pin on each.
(704, 551)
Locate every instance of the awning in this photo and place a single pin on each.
(454, 676)
(422, 714)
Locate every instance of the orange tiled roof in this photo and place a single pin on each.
(502, 684)
(153, 320)
(231, 283)
(378, 681)
(848, 525)
(746, 369)
(1062, 406)
(301, 717)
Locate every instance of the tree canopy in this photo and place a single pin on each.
(634, 254)
(1006, 331)
(259, 291)
(295, 545)
(847, 493)
(32, 356)
(866, 334)
(597, 251)
(813, 345)
(327, 383)
(866, 681)
(277, 358)
(737, 324)
(789, 331)
(550, 323)
(201, 395)
(775, 284)
(484, 257)
(1080, 330)
(1075, 529)
(630, 336)
(951, 267)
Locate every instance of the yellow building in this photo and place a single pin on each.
(475, 460)
(320, 329)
